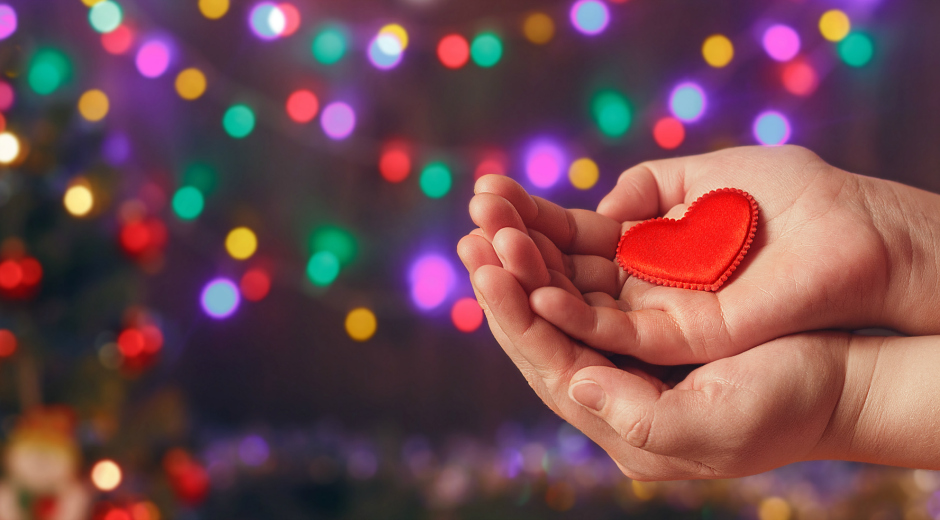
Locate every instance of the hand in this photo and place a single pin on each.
(832, 251)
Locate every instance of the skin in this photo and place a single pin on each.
(546, 279)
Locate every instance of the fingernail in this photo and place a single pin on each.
(588, 394)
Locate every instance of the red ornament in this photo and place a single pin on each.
(699, 251)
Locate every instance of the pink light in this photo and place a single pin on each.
(153, 58)
(781, 42)
(6, 96)
(544, 164)
(432, 278)
(338, 120)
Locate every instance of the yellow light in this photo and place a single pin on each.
(190, 84)
(538, 28)
(78, 200)
(834, 25)
(106, 475)
(642, 490)
(9, 148)
(361, 324)
(241, 243)
(213, 9)
(90, 3)
(398, 32)
(773, 508)
(717, 50)
(583, 173)
(93, 105)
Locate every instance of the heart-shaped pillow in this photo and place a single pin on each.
(698, 251)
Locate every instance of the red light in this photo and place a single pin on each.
(668, 133)
(135, 237)
(3, 123)
(489, 166)
(118, 41)
(255, 285)
(11, 274)
(7, 343)
(153, 338)
(453, 51)
(302, 106)
(117, 514)
(800, 78)
(131, 343)
(293, 19)
(395, 163)
(467, 315)
(32, 271)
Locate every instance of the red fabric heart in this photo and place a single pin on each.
(698, 251)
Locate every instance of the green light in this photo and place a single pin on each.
(337, 241)
(188, 203)
(435, 180)
(323, 268)
(486, 49)
(48, 71)
(200, 176)
(329, 45)
(856, 49)
(105, 16)
(611, 113)
(238, 121)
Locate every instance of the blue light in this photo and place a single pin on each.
(590, 16)
(220, 298)
(771, 128)
(687, 102)
(385, 51)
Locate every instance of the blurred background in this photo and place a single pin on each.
(228, 279)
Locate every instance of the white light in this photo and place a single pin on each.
(9, 147)
(277, 21)
(389, 44)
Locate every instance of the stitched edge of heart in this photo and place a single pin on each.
(697, 286)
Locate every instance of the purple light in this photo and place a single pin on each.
(7, 21)
(338, 120)
(771, 128)
(153, 58)
(544, 164)
(220, 298)
(116, 148)
(781, 42)
(253, 450)
(432, 278)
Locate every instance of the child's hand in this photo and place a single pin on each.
(833, 250)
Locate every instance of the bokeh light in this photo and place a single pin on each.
(395, 162)
(323, 268)
(799, 78)
(7, 96)
(385, 51)
(612, 113)
(687, 102)
(105, 16)
(241, 243)
(118, 41)
(834, 25)
(538, 28)
(8, 21)
(543, 164)
(201, 176)
(9, 148)
(781, 42)
(213, 9)
(78, 200)
(329, 45)
(220, 298)
(583, 173)
(302, 106)
(253, 450)
(336, 240)
(267, 20)
(856, 49)
(432, 278)
(486, 49)
(190, 84)
(49, 70)
(771, 128)
(361, 324)
(435, 180)
(338, 120)
(238, 121)
(255, 284)
(153, 58)
(493, 163)
(717, 50)
(11, 274)
(93, 105)
(590, 16)
(7, 343)
(291, 19)
(398, 33)
(453, 51)
(106, 475)
(466, 314)
(188, 203)
(668, 133)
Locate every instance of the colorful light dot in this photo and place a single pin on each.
(432, 278)
(453, 51)
(323, 268)
(856, 49)
(668, 133)
(834, 25)
(9, 148)
(267, 20)
(32, 271)
(800, 78)
(435, 180)
(329, 45)
(302, 106)
(7, 343)
(78, 200)
(241, 243)
(486, 49)
(466, 315)
(538, 28)
(8, 21)
(190, 84)
(774, 508)
(106, 475)
(395, 163)
(105, 16)
(590, 16)
(385, 51)
(338, 120)
(361, 324)
(131, 343)
(213, 9)
(771, 128)
(153, 58)
(336, 240)
(7, 96)
(116, 148)
(200, 176)
(398, 32)
(781, 42)
(11, 274)
(220, 298)
(188, 203)
(238, 121)
(118, 41)
(291, 19)
(48, 70)
(491, 164)
(583, 173)
(93, 105)
(612, 113)
(717, 50)
(255, 284)
(687, 102)
(543, 164)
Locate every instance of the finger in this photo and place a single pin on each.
(589, 273)
(519, 256)
(647, 190)
(493, 213)
(562, 282)
(474, 251)
(510, 190)
(600, 299)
